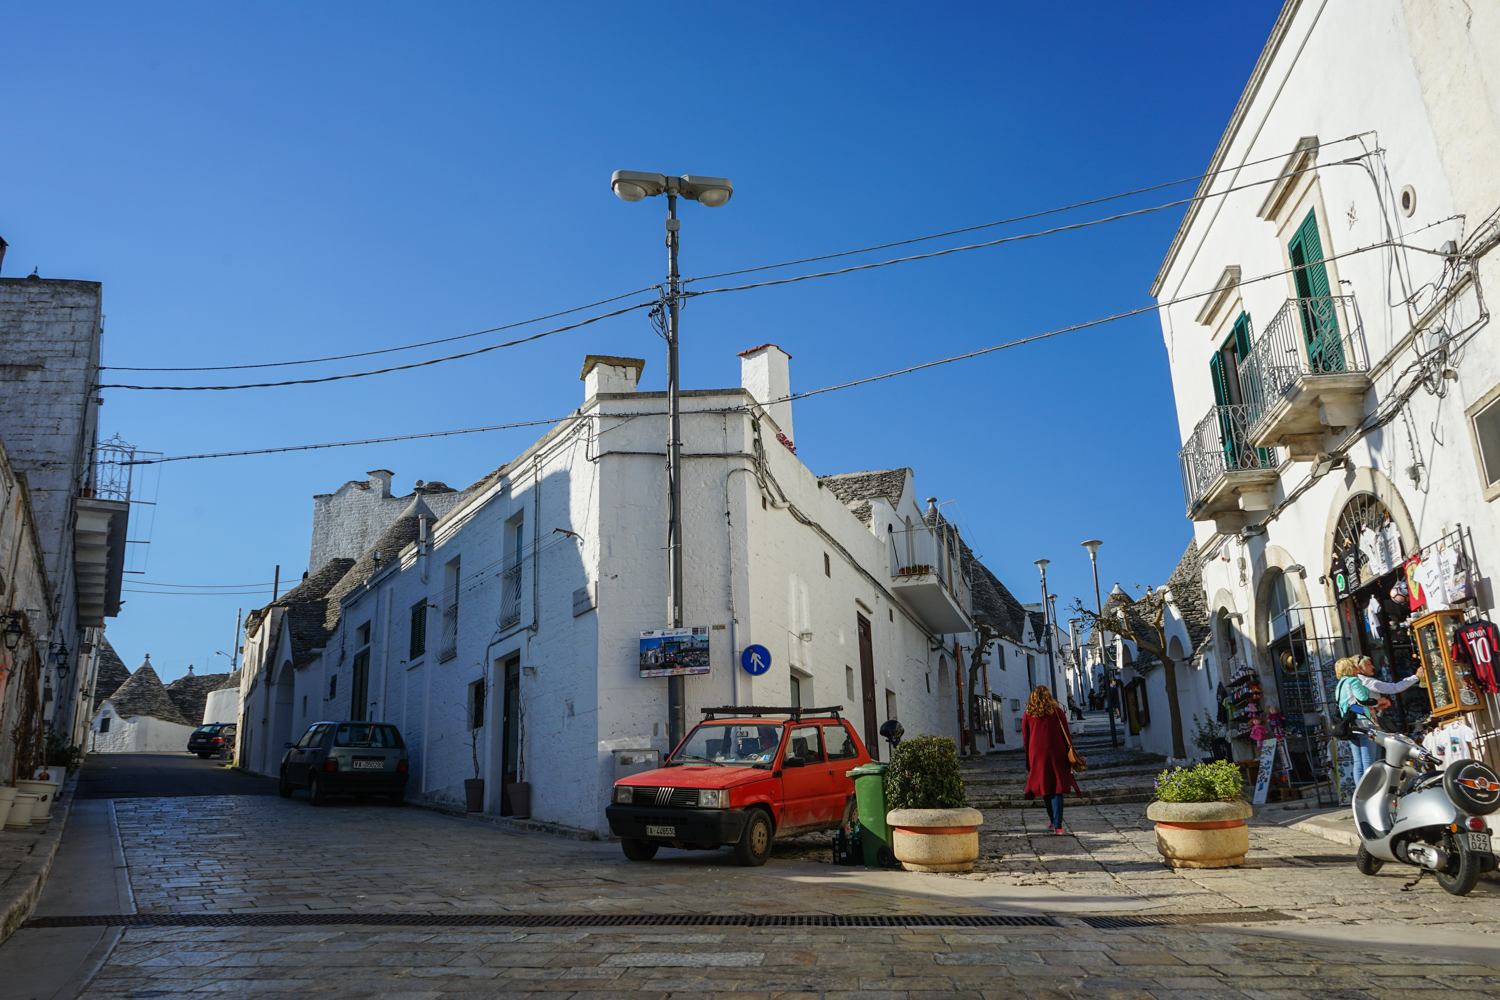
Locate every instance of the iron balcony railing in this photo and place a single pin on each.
(920, 551)
(1220, 445)
(510, 597)
(448, 647)
(1313, 336)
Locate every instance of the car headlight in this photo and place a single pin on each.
(713, 798)
(624, 794)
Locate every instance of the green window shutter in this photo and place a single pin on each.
(1320, 325)
(1242, 337)
(1221, 382)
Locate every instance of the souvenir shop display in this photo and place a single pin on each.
(1451, 741)
(1243, 705)
(1477, 643)
(1451, 684)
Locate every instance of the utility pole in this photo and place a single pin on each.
(234, 651)
(1047, 627)
(276, 585)
(711, 192)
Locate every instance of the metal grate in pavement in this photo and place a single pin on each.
(1169, 919)
(537, 920)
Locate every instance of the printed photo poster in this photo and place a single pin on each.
(674, 652)
(1267, 767)
(1343, 770)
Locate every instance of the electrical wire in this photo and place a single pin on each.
(343, 444)
(1018, 218)
(198, 593)
(205, 586)
(396, 368)
(386, 350)
(1020, 236)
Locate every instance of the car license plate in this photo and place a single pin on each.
(1479, 842)
(661, 831)
(369, 765)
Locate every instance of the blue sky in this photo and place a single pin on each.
(271, 182)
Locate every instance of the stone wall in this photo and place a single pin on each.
(351, 519)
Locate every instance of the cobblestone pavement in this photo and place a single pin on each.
(252, 854)
(1050, 964)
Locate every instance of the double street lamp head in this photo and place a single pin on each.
(632, 185)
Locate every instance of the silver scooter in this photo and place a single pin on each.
(1410, 810)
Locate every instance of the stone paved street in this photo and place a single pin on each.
(259, 854)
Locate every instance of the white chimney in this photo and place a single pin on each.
(380, 481)
(602, 373)
(765, 374)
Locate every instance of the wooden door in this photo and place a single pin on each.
(510, 757)
(867, 686)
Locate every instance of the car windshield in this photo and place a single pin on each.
(207, 730)
(730, 743)
(364, 734)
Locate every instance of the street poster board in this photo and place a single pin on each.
(674, 652)
(1267, 766)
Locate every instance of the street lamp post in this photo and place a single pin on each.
(711, 192)
(1041, 564)
(1093, 546)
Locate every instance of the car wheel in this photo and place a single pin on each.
(284, 787)
(315, 793)
(638, 850)
(755, 843)
(204, 756)
(1367, 863)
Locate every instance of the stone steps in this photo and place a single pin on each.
(1115, 774)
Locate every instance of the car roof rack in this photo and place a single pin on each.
(753, 710)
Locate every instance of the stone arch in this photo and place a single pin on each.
(1230, 638)
(283, 693)
(1375, 482)
(1272, 564)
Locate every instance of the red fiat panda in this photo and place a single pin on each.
(742, 781)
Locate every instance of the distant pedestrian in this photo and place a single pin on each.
(1114, 696)
(1047, 739)
(1074, 710)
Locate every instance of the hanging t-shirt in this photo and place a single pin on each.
(1455, 573)
(1372, 617)
(1414, 595)
(1370, 545)
(1458, 741)
(1430, 572)
(1391, 535)
(1477, 642)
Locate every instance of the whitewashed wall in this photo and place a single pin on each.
(136, 734)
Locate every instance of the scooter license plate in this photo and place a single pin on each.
(1479, 843)
(661, 831)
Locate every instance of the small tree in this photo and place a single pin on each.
(1143, 622)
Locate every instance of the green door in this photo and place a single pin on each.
(1224, 369)
(1320, 325)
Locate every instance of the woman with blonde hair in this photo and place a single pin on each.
(1349, 691)
(1047, 739)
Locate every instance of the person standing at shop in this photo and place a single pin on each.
(1047, 740)
(1350, 691)
(1365, 668)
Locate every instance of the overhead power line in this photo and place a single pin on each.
(396, 368)
(1017, 218)
(198, 593)
(796, 395)
(387, 350)
(203, 586)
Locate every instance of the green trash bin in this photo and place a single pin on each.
(869, 795)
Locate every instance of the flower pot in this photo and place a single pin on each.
(7, 799)
(1201, 834)
(935, 840)
(520, 799)
(474, 794)
(19, 816)
(45, 791)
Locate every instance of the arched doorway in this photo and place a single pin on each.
(1369, 584)
(282, 694)
(1296, 679)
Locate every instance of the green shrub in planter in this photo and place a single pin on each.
(1215, 781)
(923, 774)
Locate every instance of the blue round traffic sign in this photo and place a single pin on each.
(756, 660)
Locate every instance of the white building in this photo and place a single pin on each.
(139, 717)
(521, 607)
(1336, 374)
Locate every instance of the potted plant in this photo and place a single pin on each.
(932, 827)
(1200, 816)
(474, 787)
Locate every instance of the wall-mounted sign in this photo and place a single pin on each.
(674, 652)
(756, 660)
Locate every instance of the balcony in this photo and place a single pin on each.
(1308, 373)
(510, 598)
(1221, 471)
(925, 576)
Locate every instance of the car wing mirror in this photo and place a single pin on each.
(793, 762)
(289, 746)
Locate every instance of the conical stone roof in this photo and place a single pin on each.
(144, 694)
(190, 693)
(111, 674)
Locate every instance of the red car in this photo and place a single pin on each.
(741, 780)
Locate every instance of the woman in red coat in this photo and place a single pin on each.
(1045, 735)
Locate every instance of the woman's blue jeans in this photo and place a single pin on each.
(1362, 750)
(1054, 809)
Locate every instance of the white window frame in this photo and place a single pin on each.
(1485, 402)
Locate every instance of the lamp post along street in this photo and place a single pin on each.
(1093, 546)
(1041, 564)
(711, 192)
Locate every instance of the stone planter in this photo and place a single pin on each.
(19, 816)
(520, 799)
(474, 794)
(7, 799)
(45, 791)
(935, 840)
(1201, 834)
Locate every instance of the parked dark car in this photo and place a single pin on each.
(346, 758)
(212, 739)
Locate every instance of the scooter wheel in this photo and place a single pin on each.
(1367, 863)
(1462, 874)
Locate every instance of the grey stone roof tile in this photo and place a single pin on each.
(190, 694)
(144, 694)
(855, 490)
(112, 672)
